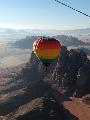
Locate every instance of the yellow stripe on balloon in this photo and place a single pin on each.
(47, 52)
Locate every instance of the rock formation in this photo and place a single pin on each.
(69, 74)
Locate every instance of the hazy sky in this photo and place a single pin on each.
(43, 14)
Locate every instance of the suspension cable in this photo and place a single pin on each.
(58, 1)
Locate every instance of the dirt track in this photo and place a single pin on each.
(74, 105)
(78, 108)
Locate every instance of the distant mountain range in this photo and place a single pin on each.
(27, 42)
(9, 34)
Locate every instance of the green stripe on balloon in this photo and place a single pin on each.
(47, 59)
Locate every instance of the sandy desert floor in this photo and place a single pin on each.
(10, 56)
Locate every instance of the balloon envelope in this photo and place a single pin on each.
(47, 49)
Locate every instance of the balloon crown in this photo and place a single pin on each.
(47, 38)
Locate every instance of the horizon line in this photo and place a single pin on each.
(15, 28)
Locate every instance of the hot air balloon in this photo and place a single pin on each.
(47, 49)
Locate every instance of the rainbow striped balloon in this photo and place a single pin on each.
(47, 49)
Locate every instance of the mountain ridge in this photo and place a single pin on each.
(65, 40)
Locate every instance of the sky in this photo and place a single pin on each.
(44, 14)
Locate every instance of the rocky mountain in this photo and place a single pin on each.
(32, 93)
(68, 74)
(71, 73)
(86, 50)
